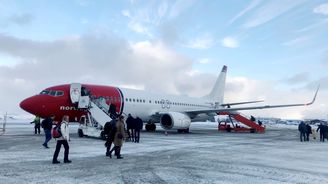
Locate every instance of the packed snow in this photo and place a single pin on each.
(202, 156)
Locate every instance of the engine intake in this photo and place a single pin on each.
(175, 121)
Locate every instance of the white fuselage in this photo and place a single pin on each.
(145, 104)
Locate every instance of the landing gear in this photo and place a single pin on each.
(150, 127)
(80, 132)
(183, 130)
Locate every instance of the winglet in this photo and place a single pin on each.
(315, 96)
(224, 69)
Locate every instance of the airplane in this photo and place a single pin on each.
(93, 105)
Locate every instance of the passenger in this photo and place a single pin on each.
(109, 130)
(47, 127)
(63, 140)
(37, 125)
(325, 132)
(302, 130)
(322, 129)
(112, 111)
(138, 127)
(133, 128)
(129, 122)
(253, 118)
(308, 131)
(259, 122)
(119, 136)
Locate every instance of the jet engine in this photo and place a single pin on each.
(175, 121)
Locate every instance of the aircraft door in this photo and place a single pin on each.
(75, 92)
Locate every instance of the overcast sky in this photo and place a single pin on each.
(275, 50)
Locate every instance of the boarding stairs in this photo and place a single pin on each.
(254, 127)
(97, 112)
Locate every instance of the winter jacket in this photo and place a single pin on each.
(119, 135)
(64, 131)
(139, 124)
(302, 127)
(36, 120)
(47, 123)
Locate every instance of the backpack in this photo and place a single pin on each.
(107, 128)
(56, 132)
(43, 123)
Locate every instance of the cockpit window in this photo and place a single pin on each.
(59, 93)
(44, 92)
(52, 93)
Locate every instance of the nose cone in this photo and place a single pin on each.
(29, 105)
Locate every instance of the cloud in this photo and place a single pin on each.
(245, 89)
(270, 11)
(323, 82)
(139, 28)
(321, 9)
(169, 32)
(230, 42)
(180, 6)
(298, 78)
(297, 41)
(107, 59)
(18, 19)
(250, 7)
(126, 13)
(204, 61)
(204, 42)
(162, 9)
(325, 58)
(316, 25)
(101, 59)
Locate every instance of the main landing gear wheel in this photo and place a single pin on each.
(183, 130)
(150, 127)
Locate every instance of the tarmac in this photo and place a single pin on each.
(202, 156)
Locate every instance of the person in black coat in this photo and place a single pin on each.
(112, 111)
(47, 127)
(323, 130)
(129, 122)
(302, 129)
(308, 132)
(109, 131)
(138, 127)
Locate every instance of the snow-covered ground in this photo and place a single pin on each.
(202, 156)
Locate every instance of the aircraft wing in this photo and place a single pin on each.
(240, 103)
(250, 108)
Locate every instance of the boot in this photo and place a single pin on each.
(67, 161)
(111, 151)
(119, 153)
(55, 162)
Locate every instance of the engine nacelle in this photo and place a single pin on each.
(175, 121)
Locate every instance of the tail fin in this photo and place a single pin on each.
(217, 93)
